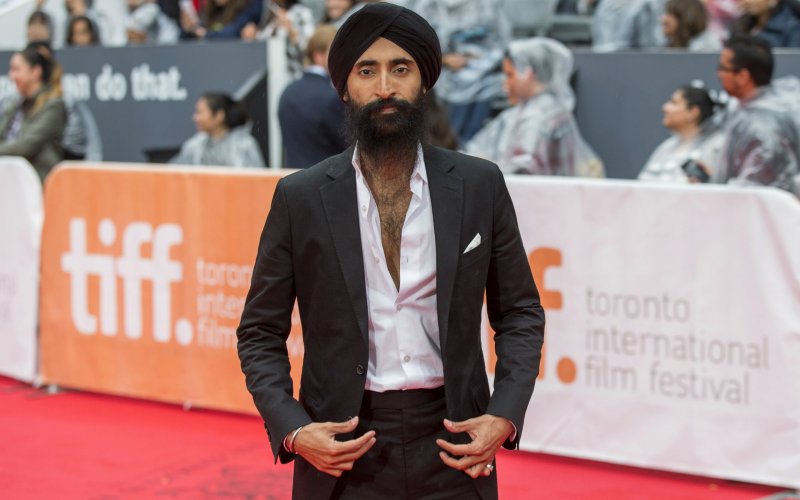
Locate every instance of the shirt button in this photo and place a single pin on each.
(360, 370)
(364, 208)
(399, 307)
(406, 358)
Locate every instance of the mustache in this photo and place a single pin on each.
(375, 106)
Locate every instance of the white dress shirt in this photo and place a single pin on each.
(404, 349)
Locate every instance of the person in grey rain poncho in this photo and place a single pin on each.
(762, 145)
(627, 24)
(538, 134)
(697, 136)
(223, 137)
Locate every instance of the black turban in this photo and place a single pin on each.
(397, 24)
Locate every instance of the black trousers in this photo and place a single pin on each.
(404, 462)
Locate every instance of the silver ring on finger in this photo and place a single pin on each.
(489, 467)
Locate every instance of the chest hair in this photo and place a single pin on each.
(392, 197)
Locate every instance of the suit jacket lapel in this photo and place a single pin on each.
(446, 191)
(341, 209)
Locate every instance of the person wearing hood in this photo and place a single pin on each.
(538, 134)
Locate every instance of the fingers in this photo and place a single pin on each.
(486, 470)
(464, 463)
(352, 456)
(321, 437)
(483, 430)
(487, 435)
(338, 464)
(457, 426)
(341, 448)
(479, 470)
(317, 444)
(472, 466)
(342, 427)
(458, 449)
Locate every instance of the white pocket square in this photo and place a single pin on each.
(473, 244)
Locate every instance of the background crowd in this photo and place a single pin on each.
(505, 93)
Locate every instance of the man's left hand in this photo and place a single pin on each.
(488, 433)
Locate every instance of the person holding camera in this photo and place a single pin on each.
(692, 151)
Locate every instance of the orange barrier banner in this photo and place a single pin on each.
(660, 324)
(144, 275)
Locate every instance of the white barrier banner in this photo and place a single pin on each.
(21, 215)
(673, 326)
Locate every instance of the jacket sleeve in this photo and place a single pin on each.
(44, 127)
(515, 314)
(265, 326)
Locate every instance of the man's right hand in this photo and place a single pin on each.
(317, 444)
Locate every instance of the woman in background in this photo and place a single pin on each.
(32, 125)
(222, 135)
(81, 32)
(684, 24)
(40, 27)
(101, 24)
(695, 136)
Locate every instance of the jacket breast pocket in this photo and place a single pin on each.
(479, 254)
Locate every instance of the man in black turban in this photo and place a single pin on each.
(389, 249)
(399, 25)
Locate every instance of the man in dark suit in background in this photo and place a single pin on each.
(388, 249)
(310, 113)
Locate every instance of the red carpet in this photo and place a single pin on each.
(77, 445)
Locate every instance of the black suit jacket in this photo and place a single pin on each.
(311, 116)
(311, 249)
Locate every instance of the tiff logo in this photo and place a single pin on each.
(134, 270)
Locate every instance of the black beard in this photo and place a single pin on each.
(389, 137)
